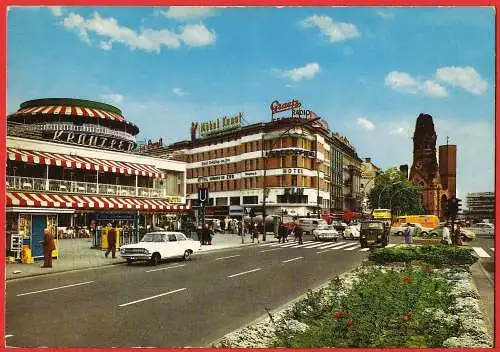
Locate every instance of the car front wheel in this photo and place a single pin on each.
(187, 255)
(155, 259)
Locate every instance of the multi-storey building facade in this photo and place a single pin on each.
(481, 206)
(368, 173)
(72, 162)
(275, 164)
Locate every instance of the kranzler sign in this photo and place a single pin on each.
(294, 108)
(220, 124)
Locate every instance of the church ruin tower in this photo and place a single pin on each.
(448, 168)
(425, 171)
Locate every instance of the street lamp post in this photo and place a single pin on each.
(383, 189)
(264, 193)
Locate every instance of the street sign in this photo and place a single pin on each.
(202, 196)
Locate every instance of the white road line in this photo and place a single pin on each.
(481, 252)
(330, 245)
(269, 250)
(245, 272)
(390, 245)
(315, 245)
(493, 249)
(55, 288)
(353, 248)
(291, 260)
(326, 250)
(364, 249)
(302, 245)
(267, 244)
(343, 246)
(231, 256)
(7, 336)
(289, 245)
(168, 267)
(148, 298)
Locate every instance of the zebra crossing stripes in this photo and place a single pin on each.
(331, 245)
(492, 249)
(481, 252)
(390, 245)
(293, 244)
(353, 248)
(314, 245)
(344, 245)
(364, 249)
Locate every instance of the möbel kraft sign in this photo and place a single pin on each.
(220, 125)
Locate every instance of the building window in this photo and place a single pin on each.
(294, 160)
(294, 141)
(221, 201)
(294, 180)
(250, 199)
(234, 201)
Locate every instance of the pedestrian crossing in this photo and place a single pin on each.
(322, 247)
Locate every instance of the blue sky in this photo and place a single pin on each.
(368, 71)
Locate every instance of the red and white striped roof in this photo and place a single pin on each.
(50, 200)
(79, 162)
(74, 111)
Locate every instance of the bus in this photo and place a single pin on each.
(427, 221)
(382, 214)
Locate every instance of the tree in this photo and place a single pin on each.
(397, 193)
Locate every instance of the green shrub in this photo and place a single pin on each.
(433, 254)
(383, 309)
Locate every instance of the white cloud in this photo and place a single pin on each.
(336, 32)
(197, 35)
(115, 99)
(57, 10)
(149, 40)
(400, 131)
(306, 72)
(386, 15)
(365, 124)
(466, 78)
(179, 92)
(434, 89)
(405, 83)
(187, 13)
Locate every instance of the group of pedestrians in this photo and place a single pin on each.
(294, 230)
(452, 237)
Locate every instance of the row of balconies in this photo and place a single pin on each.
(41, 184)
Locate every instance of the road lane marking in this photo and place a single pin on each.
(481, 252)
(166, 268)
(288, 245)
(390, 245)
(493, 249)
(245, 272)
(331, 245)
(315, 245)
(55, 288)
(7, 336)
(343, 246)
(267, 244)
(326, 250)
(231, 256)
(353, 248)
(306, 243)
(291, 260)
(364, 249)
(152, 297)
(269, 250)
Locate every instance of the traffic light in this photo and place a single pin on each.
(459, 205)
(446, 209)
(452, 207)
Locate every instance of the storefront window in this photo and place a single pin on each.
(25, 225)
(52, 224)
(12, 223)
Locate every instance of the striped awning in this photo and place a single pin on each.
(79, 162)
(50, 200)
(74, 111)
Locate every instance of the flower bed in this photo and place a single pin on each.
(391, 305)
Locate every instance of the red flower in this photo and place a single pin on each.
(348, 322)
(408, 280)
(406, 317)
(346, 314)
(338, 315)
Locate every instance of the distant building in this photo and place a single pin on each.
(481, 205)
(368, 173)
(437, 181)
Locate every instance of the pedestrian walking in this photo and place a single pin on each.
(408, 234)
(48, 246)
(298, 233)
(446, 235)
(457, 236)
(281, 233)
(112, 234)
(255, 233)
(240, 228)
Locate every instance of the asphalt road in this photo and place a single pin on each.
(171, 305)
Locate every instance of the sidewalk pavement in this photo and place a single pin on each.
(77, 254)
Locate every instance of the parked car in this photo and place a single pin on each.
(352, 232)
(373, 233)
(325, 233)
(157, 246)
(483, 229)
(309, 224)
(466, 234)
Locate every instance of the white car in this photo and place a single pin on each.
(325, 232)
(352, 232)
(483, 229)
(156, 246)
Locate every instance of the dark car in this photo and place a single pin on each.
(374, 233)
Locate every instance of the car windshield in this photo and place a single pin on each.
(152, 237)
(372, 225)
